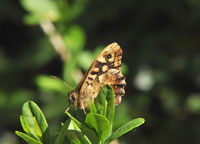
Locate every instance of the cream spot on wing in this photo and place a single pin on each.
(104, 68)
(102, 60)
(95, 69)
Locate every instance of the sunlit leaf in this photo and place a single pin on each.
(27, 138)
(40, 10)
(74, 119)
(33, 115)
(100, 124)
(92, 107)
(47, 83)
(125, 128)
(78, 126)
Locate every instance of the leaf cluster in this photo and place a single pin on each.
(95, 129)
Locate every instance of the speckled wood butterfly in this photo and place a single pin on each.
(105, 69)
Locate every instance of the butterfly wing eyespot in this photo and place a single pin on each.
(109, 56)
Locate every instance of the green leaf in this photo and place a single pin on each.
(111, 104)
(100, 124)
(25, 125)
(100, 101)
(37, 128)
(27, 138)
(36, 121)
(125, 128)
(74, 119)
(124, 68)
(49, 84)
(73, 126)
(92, 107)
(105, 102)
(75, 38)
(61, 134)
(85, 59)
(77, 137)
(40, 10)
(88, 132)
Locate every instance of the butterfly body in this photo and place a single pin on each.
(105, 69)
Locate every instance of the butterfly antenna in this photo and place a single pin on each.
(64, 83)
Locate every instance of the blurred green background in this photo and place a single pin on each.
(161, 62)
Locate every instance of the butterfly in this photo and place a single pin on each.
(105, 69)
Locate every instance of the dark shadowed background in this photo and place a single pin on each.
(161, 62)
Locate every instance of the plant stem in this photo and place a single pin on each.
(55, 39)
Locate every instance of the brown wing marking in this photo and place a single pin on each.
(112, 77)
(118, 83)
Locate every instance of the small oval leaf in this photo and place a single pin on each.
(27, 138)
(125, 128)
(100, 124)
(33, 115)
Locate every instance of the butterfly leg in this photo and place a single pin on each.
(83, 109)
